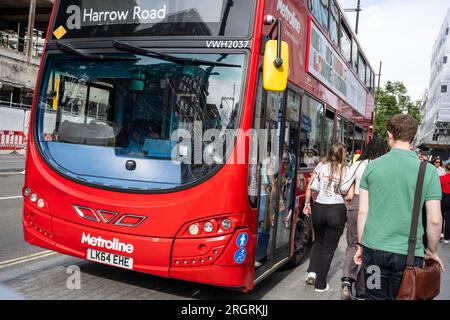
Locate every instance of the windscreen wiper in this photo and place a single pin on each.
(119, 45)
(69, 49)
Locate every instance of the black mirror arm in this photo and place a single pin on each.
(278, 61)
(277, 24)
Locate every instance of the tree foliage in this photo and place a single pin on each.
(391, 100)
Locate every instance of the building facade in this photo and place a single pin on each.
(434, 132)
(23, 25)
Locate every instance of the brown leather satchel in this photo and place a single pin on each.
(419, 283)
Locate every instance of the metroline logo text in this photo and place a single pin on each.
(289, 15)
(113, 244)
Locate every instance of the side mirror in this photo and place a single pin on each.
(275, 72)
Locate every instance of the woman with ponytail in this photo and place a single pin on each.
(328, 215)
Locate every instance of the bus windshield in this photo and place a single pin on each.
(124, 18)
(120, 122)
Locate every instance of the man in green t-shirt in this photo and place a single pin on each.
(386, 201)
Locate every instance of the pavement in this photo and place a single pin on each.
(34, 273)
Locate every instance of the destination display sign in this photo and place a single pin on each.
(99, 18)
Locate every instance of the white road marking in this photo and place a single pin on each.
(23, 259)
(9, 198)
(10, 173)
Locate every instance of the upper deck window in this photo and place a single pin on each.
(355, 56)
(369, 78)
(346, 43)
(121, 18)
(361, 68)
(334, 24)
(319, 8)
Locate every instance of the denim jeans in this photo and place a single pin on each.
(383, 273)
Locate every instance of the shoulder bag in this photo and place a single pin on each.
(419, 283)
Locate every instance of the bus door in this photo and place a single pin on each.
(277, 181)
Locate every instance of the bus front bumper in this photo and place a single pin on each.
(205, 260)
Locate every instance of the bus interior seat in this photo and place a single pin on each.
(96, 133)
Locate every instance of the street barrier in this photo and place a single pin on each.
(12, 140)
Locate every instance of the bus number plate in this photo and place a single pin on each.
(110, 259)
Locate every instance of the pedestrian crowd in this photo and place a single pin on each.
(372, 198)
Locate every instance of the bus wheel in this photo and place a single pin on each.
(302, 242)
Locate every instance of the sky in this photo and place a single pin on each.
(401, 33)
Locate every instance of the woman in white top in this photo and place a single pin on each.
(374, 149)
(328, 216)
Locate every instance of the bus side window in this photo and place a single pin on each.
(310, 132)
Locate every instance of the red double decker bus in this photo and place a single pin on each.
(143, 114)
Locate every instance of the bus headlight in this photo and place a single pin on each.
(26, 192)
(33, 197)
(208, 227)
(226, 224)
(211, 226)
(194, 229)
(40, 203)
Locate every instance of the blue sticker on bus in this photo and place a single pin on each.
(242, 239)
(240, 255)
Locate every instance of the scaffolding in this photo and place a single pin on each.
(23, 24)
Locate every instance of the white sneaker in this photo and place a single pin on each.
(327, 288)
(447, 241)
(258, 264)
(310, 278)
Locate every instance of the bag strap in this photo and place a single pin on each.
(354, 181)
(415, 216)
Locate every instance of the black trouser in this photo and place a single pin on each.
(328, 224)
(446, 215)
(383, 273)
